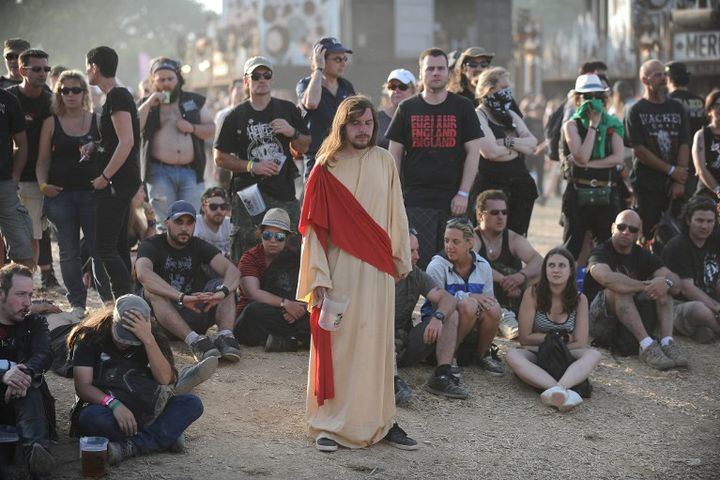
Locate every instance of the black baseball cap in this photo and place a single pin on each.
(333, 45)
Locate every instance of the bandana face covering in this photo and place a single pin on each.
(499, 104)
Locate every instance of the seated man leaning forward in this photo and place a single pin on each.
(435, 334)
(123, 370)
(468, 277)
(622, 276)
(269, 313)
(694, 256)
(506, 251)
(185, 302)
(24, 357)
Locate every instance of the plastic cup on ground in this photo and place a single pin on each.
(252, 199)
(93, 456)
(332, 311)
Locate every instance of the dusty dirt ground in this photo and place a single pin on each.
(639, 424)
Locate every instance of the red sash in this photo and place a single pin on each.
(333, 211)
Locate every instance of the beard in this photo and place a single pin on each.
(360, 143)
(175, 93)
(180, 241)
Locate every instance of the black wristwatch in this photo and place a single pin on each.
(669, 283)
(224, 289)
(440, 316)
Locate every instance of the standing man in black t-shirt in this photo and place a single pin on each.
(118, 170)
(621, 274)
(320, 94)
(169, 267)
(12, 49)
(254, 143)
(656, 128)
(435, 139)
(694, 256)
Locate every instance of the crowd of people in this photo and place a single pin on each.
(427, 195)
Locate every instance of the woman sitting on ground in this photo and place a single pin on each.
(554, 305)
(124, 343)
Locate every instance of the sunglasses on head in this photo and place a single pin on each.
(279, 236)
(496, 212)
(474, 64)
(257, 75)
(215, 206)
(12, 56)
(73, 90)
(339, 59)
(38, 69)
(397, 86)
(623, 226)
(457, 221)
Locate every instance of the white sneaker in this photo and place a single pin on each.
(78, 312)
(573, 400)
(555, 396)
(508, 327)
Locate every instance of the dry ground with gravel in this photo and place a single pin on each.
(639, 424)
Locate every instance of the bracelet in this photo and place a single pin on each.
(115, 404)
(282, 304)
(181, 298)
(594, 128)
(460, 193)
(102, 174)
(672, 170)
(107, 400)
(249, 166)
(43, 186)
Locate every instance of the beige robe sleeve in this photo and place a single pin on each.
(398, 223)
(314, 268)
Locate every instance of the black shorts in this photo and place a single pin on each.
(417, 350)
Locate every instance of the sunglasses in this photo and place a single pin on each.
(623, 226)
(11, 56)
(279, 236)
(339, 59)
(397, 86)
(73, 90)
(458, 221)
(257, 76)
(38, 69)
(473, 64)
(215, 206)
(495, 213)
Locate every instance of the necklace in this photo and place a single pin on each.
(492, 247)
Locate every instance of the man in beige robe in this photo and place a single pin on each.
(361, 411)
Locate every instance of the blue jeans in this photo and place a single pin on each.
(168, 183)
(179, 413)
(71, 211)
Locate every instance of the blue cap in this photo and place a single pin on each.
(333, 45)
(180, 208)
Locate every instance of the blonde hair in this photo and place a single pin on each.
(58, 106)
(350, 109)
(489, 80)
(462, 224)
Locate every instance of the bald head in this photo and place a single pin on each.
(650, 67)
(628, 217)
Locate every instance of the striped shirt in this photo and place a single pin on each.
(543, 323)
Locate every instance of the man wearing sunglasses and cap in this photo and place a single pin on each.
(628, 287)
(254, 143)
(12, 49)
(472, 62)
(174, 125)
(320, 94)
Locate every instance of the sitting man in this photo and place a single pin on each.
(213, 225)
(435, 334)
(506, 251)
(269, 313)
(622, 280)
(468, 277)
(24, 357)
(694, 256)
(185, 303)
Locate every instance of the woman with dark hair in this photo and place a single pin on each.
(550, 306)
(706, 149)
(503, 147)
(64, 176)
(138, 414)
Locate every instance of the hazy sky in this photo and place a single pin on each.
(214, 5)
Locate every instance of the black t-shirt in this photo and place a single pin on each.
(434, 138)
(639, 264)
(695, 108)
(6, 82)
(8, 346)
(119, 99)
(36, 110)
(661, 128)
(711, 158)
(246, 133)
(92, 352)
(702, 265)
(12, 121)
(179, 268)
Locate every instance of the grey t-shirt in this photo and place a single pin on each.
(407, 294)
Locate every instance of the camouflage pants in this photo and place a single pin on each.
(245, 233)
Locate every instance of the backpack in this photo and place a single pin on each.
(553, 128)
(554, 357)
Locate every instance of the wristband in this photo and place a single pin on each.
(462, 194)
(672, 170)
(107, 400)
(249, 166)
(43, 186)
(282, 304)
(181, 298)
(115, 404)
(102, 174)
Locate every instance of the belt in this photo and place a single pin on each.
(592, 183)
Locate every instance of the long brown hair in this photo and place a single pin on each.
(350, 109)
(99, 327)
(543, 295)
